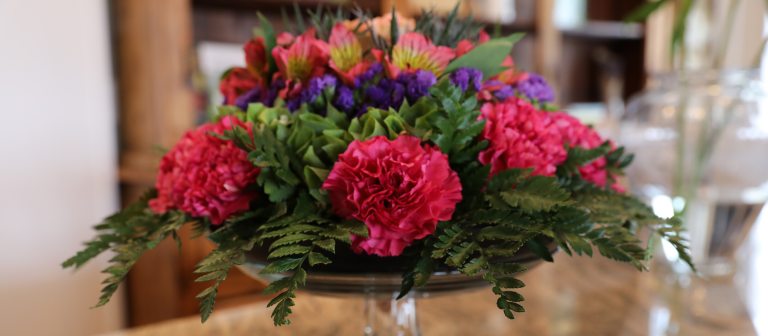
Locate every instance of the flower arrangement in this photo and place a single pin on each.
(385, 137)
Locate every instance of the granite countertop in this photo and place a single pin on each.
(573, 296)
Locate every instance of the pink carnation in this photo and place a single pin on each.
(398, 188)
(205, 176)
(520, 137)
(576, 133)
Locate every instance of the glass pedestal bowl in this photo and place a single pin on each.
(377, 281)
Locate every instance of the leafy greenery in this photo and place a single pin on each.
(215, 267)
(295, 241)
(128, 234)
(448, 31)
(645, 10)
(488, 56)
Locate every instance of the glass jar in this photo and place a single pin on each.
(700, 141)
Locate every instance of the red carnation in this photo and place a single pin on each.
(398, 188)
(520, 137)
(576, 133)
(236, 82)
(205, 176)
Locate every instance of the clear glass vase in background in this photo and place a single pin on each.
(700, 135)
(701, 145)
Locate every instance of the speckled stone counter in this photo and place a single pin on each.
(573, 296)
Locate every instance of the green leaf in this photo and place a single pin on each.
(215, 267)
(539, 249)
(394, 31)
(420, 272)
(283, 304)
(486, 57)
(288, 250)
(291, 239)
(505, 180)
(579, 156)
(645, 10)
(678, 31)
(270, 40)
(278, 286)
(282, 265)
(316, 258)
(460, 253)
(92, 249)
(326, 244)
(536, 193)
(127, 234)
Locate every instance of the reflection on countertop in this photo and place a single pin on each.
(573, 296)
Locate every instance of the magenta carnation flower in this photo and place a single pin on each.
(576, 133)
(399, 189)
(205, 176)
(520, 136)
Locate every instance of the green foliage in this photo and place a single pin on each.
(455, 127)
(216, 266)
(678, 31)
(128, 234)
(270, 41)
(293, 150)
(536, 193)
(376, 122)
(483, 247)
(422, 270)
(579, 156)
(486, 57)
(448, 31)
(296, 240)
(518, 210)
(645, 10)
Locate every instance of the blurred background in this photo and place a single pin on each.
(90, 89)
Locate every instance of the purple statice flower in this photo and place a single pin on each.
(385, 93)
(536, 88)
(274, 89)
(368, 75)
(504, 92)
(465, 78)
(314, 89)
(252, 96)
(293, 104)
(382, 92)
(416, 84)
(345, 99)
(362, 109)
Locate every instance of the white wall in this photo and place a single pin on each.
(57, 163)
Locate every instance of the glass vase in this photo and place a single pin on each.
(701, 144)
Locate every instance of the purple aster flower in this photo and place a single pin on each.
(274, 90)
(252, 96)
(417, 84)
(536, 88)
(385, 93)
(314, 89)
(398, 95)
(465, 78)
(345, 99)
(362, 109)
(368, 75)
(377, 93)
(504, 92)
